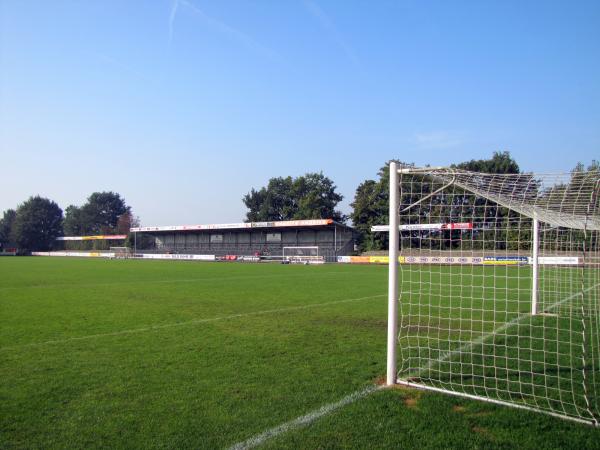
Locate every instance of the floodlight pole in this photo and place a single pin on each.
(534, 278)
(394, 234)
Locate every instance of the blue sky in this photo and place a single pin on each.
(184, 106)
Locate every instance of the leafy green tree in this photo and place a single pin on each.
(37, 224)
(371, 200)
(311, 196)
(73, 223)
(102, 211)
(500, 162)
(315, 198)
(6, 226)
(370, 207)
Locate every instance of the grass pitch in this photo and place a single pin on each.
(166, 354)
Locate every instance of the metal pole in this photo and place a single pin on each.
(335, 241)
(393, 275)
(134, 243)
(534, 278)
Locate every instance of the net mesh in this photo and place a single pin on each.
(301, 254)
(121, 252)
(476, 315)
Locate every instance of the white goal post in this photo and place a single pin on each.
(121, 252)
(494, 287)
(302, 255)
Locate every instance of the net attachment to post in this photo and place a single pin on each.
(497, 288)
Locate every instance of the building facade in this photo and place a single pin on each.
(248, 238)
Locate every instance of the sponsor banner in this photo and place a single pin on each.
(76, 254)
(384, 259)
(249, 258)
(466, 260)
(224, 226)
(443, 260)
(557, 260)
(427, 227)
(505, 260)
(422, 226)
(360, 259)
(458, 226)
(379, 259)
(105, 237)
(262, 224)
(216, 226)
(367, 259)
(175, 256)
(240, 225)
(303, 223)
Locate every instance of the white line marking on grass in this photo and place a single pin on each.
(302, 421)
(484, 337)
(184, 280)
(190, 322)
(328, 409)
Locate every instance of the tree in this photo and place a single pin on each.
(6, 226)
(370, 207)
(125, 222)
(273, 202)
(315, 197)
(99, 215)
(73, 224)
(37, 224)
(311, 196)
(371, 199)
(500, 162)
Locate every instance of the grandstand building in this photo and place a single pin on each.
(248, 238)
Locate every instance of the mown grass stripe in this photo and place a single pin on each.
(189, 322)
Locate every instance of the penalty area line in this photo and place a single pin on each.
(304, 420)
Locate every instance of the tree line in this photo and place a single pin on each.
(37, 222)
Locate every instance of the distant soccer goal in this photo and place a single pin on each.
(302, 255)
(494, 284)
(121, 252)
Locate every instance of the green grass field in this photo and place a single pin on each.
(166, 354)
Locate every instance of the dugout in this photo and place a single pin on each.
(248, 238)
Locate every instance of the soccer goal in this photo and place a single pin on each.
(494, 287)
(121, 252)
(302, 255)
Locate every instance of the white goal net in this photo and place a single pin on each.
(302, 255)
(497, 292)
(121, 252)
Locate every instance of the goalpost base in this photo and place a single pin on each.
(402, 382)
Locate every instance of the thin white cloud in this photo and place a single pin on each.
(121, 65)
(220, 27)
(172, 16)
(438, 140)
(317, 12)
